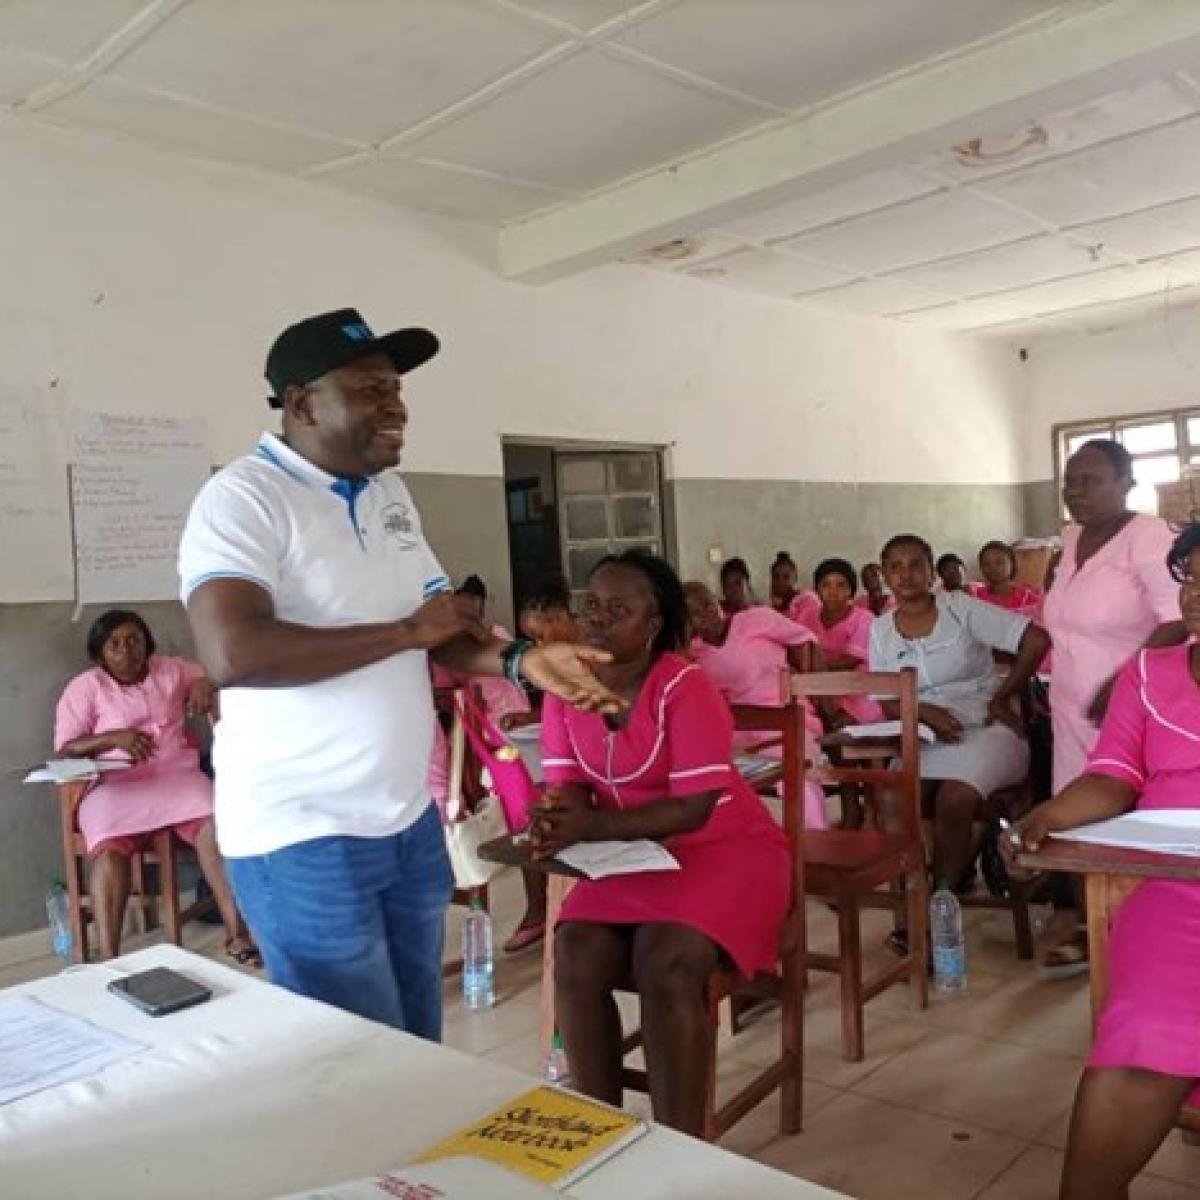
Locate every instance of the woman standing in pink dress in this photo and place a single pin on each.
(1145, 1061)
(132, 706)
(1111, 595)
(661, 770)
(749, 656)
(843, 631)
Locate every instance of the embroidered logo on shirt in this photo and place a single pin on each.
(398, 525)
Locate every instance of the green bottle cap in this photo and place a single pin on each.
(556, 1042)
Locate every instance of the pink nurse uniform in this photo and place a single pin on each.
(1097, 617)
(734, 881)
(169, 789)
(1151, 740)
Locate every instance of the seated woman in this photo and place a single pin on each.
(1145, 1060)
(998, 566)
(785, 598)
(952, 573)
(748, 656)
(842, 630)
(949, 638)
(662, 770)
(875, 597)
(132, 705)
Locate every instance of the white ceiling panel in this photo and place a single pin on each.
(175, 125)
(933, 227)
(1136, 172)
(1156, 231)
(877, 297)
(370, 72)
(764, 271)
(582, 123)
(850, 199)
(584, 15)
(64, 29)
(1017, 264)
(23, 74)
(430, 188)
(795, 52)
(1152, 103)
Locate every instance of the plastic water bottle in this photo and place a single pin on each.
(557, 1073)
(949, 947)
(58, 909)
(478, 976)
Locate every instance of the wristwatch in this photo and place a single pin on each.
(511, 657)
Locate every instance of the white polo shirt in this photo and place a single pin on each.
(348, 755)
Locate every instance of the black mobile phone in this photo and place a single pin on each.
(160, 991)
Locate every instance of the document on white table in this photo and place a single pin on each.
(1160, 830)
(597, 860)
(42, 1047)
(887, 729)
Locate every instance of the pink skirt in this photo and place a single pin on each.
(1151, 1019)
(144, 798)
(733, 890)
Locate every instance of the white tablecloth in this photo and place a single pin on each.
(259, 1093)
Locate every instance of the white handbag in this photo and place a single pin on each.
(467, 830)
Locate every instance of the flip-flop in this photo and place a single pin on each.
(1069, 959)
(525, 936)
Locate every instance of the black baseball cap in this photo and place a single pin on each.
(305, 351)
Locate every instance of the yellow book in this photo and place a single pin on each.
(548, 1134)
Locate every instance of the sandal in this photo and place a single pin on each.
(525, 936)
(1069, 959)
(245, 956)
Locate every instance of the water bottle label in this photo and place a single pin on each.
(949, 962)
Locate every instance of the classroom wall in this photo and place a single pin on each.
(141, 282)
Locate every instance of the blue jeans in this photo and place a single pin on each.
(359, 923)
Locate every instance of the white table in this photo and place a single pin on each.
(260, 1092)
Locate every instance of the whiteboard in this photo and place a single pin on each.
(35, 515)
(133, 480)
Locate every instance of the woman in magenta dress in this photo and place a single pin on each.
(132, 706)
(662, 770)
(843, 631)
(749, 656)
(875, 597)
(1145, 1061)
(998, 566)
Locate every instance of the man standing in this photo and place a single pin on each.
(314, 601)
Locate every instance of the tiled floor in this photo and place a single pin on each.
(968, 1099)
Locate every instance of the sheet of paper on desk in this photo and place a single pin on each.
(1163, 831)
(41, 1047)
(66, 770)
(453, 1178)
(597, 860)
(887, 729)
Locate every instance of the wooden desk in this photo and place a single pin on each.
(1110, 875)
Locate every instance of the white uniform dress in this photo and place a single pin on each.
(955, 670)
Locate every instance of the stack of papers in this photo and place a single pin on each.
(887, 729)
(752, 767)
(1161, 831)
(67, 770)
(451, 1178)
(599, 859)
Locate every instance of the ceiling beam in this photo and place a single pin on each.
(1042, 66)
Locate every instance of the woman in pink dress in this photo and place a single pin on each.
(662, 770)
(785, 597)
(998, 566)
(132, 706)
(843, 631)
(875, 597)
(749, 656)
(1145, 1061)
(1111, 595)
